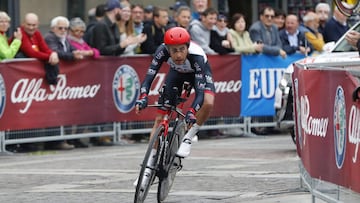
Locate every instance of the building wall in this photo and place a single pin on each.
(47, 9)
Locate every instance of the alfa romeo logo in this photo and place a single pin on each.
(339, 126)
(126, 87)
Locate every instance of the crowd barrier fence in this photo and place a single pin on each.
(96, 97)
(327, 127)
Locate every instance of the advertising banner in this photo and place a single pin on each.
(97, 90)
(260, 76)
(328, 125)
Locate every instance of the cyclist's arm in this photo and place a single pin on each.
(199, 85)
(160, 56)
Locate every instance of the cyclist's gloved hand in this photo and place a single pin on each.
(142, 102)
(190, 116)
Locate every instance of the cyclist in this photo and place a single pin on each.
(188, 63)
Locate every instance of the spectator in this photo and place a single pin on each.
(336, 26)
(106, 33)
(264, 31)
(199, 7)
(174, 9)
(155, 31)
(34, 46)
(57, 41)
(177, 5)
(182, 17)
(148, 13)
(126, 30)
(292, 39)
(200, 31)
(107, 41)
(91, 15)
(137, 16)
(312, 34)
(279, 19)
(220, 38)
(8, 51)
(75, 37)
(99, 15)
(323, 11)
(125, 3)
(241, 41)
(353, 38)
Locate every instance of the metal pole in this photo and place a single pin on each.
(2, 141)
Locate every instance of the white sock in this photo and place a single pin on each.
(192, 132)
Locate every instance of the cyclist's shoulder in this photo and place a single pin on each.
(196, 52)
(161, 52)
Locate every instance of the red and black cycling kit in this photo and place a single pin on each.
(196, 70)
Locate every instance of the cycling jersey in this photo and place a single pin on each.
(195, 70)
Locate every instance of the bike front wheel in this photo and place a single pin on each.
(172, 162)
(148, 172)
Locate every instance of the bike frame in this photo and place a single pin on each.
(163, 144)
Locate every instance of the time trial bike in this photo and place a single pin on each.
(165, 163)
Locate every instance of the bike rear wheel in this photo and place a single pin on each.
(172, 163)
(145, 180)
(348, 11)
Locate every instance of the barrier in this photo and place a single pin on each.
(93, 92)
(328, 130)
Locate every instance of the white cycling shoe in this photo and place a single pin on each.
(185, 148)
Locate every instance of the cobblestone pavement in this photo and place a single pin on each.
(232, 169)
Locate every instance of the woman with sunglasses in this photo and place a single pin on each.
(75, 38)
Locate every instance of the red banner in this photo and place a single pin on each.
(97, 90)
(328, 125)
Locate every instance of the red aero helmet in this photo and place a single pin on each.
(176, 36)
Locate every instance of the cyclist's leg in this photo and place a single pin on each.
(209, 97)
(201, 116)
(174, 79)
(171, 80)
(158, 119)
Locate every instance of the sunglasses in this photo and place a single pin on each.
(62, 28)
(269, 16)
(79, 31)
